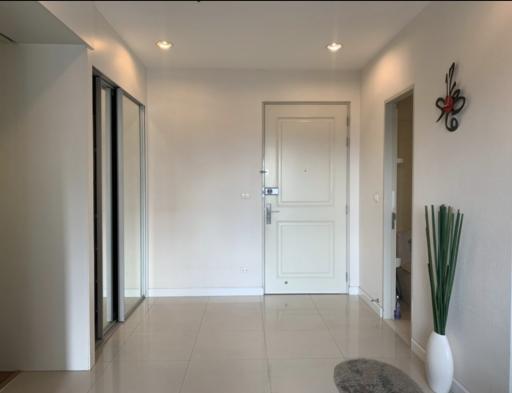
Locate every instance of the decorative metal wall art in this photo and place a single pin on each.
(452, 103)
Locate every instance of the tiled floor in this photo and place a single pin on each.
(402, 326)
(277, 344)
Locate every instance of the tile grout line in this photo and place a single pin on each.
(185, 374)
(267, 359)
(328, 329)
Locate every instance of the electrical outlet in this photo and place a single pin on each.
(244, 269)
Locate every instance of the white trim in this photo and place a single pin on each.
(177, 292)
(353, 290)
(368, 300)
(457, 387)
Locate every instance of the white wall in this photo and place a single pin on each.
(46, 208)
(205, 149)
(47, 168)
(108, 52)
(470, 169)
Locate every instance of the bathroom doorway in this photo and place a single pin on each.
(398, 213)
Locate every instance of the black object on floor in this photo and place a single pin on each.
(372, 376)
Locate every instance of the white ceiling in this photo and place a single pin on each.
(28, 22)
(261, 35)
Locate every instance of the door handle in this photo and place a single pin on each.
(268, 213)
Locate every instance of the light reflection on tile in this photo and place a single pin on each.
(260, 344)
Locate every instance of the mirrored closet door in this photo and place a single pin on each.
(119, 204)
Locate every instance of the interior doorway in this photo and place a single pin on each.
(305, 175)
(398, 189)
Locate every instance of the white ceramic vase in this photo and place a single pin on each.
(439, 365)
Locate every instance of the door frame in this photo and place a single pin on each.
(262, 182)
(389, 202)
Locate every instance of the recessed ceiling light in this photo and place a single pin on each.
(164, 44)
(334, 47)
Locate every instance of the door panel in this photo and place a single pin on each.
(105, 306)
(130, 203)
(106, 204)
(305, 160)
(305, 223)
(306, 249)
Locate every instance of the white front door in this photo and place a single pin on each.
(305, 218)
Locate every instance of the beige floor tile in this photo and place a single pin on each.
(370, 342)
(227, 376)
(294, 319)
(300, 344)
(333, 301)
(177, 308)
(164, 322)
(272, 302)
(303, 375)
(242, 318)
(55, 381)
(236, 299)
(158, 347)
(221, 344)
(350, 316)
(142, 377)
(235, 307)
(109, 349)
(233, 345)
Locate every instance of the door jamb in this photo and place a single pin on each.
(348, 189)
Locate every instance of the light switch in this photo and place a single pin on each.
(376, 197)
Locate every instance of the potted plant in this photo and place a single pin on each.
(443, 239)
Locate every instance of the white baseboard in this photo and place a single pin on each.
(353, 291)
(177, 292)
(368, 300)
(457, 387)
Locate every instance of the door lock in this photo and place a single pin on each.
(270, 190)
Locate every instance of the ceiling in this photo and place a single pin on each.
(28, 22)
(259, 34)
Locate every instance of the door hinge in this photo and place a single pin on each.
(347, 210)
(348, 121)
(348, 142)
(346, 276)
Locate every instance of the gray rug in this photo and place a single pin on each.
(372, 376)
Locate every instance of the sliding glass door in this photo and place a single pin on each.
(119, 204)
(131, 182)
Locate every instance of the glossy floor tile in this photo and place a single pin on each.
(256, 344)
(227, 376)
(303, 375)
